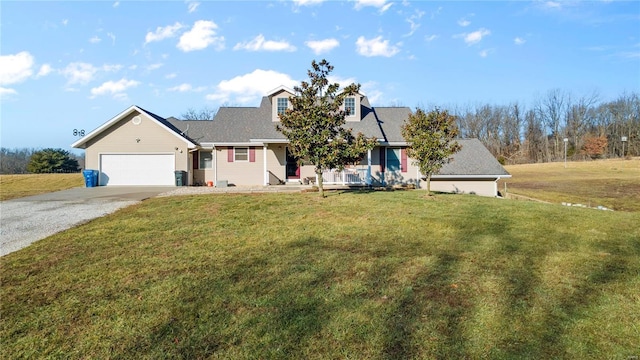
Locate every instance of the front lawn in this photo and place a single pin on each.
(356, 275)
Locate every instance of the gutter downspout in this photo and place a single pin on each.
(264, 160)
(215, 166)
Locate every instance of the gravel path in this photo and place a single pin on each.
(46, 218)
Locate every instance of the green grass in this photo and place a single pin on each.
(17, 186)
(611, 183)
(356, 275)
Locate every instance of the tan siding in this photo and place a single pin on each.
(478, 187)
(276, 163)
(274, 103)
(240, 172)
(122, 138)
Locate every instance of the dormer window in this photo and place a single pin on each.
(350, 106)
(283, 104)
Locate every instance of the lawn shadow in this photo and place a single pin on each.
(432, 306)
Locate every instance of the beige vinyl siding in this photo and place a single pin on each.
(203, 176)
(122, 138)
(274, 103)
(240, 173)
(276, 163)
(479, 187)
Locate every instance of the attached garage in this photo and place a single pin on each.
(137, 169)
(137, 147)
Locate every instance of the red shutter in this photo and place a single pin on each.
(382, 158)
(196, 160)
(252, 154)
(229, 154)
(403, 160)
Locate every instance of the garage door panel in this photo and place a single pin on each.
(137, 169)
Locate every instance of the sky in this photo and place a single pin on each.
(74, 65)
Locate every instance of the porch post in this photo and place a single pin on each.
(264, 160)
(368, 180)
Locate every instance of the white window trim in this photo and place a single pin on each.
(235, 154)
(278, 105)
(350, 114)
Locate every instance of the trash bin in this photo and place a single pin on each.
(90, 178)
(181, 178)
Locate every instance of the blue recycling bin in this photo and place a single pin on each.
(90, 178)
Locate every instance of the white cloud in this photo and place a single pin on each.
(7, 91)
(65, 22)
(412, 20)
(83, 73)
(15, 68)
(375, 47)
(260, 44)
(181, 88)
(484, 53)
(250, 87)
(155, 66)
(307, 2)
(116, 88)
(44, 70)
(383, 5)
(112, 67)
(371, 89)
(116, 4)
(322, 46)
(474, 37)
(95, 39)
(162, 33)
(430, 38)
(186, 88)
(112, 37)
(192, 6)
(519, 41)
(79, 73)
(552, 5)
(464, 22)
(170, 76)
(201, 35)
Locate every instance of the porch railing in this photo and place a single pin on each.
(345, 177)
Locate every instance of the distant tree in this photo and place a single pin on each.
(595, 146)
(430, 137)
(14, 161)
(52, 161)
(205, 113)
(314, 124)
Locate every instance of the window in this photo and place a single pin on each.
(206, 160)
(350, 106)
(283, 104)
(241, 153)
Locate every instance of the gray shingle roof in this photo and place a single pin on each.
(472, 159)
(241, 124)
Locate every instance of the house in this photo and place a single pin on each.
(241, 147)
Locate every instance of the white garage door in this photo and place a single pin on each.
(137, 169)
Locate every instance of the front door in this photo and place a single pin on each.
(293, 169)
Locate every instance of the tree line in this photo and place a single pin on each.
(24, 161)
(593, 128)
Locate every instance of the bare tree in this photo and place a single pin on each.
(204, 113)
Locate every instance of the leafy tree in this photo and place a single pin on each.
(51, 161)
(430, 139)
(314, 124)
(595, 146)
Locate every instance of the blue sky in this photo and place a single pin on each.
(76, 64)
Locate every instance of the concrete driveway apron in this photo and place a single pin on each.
(29, 219)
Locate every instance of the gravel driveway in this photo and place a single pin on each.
(26, 220)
